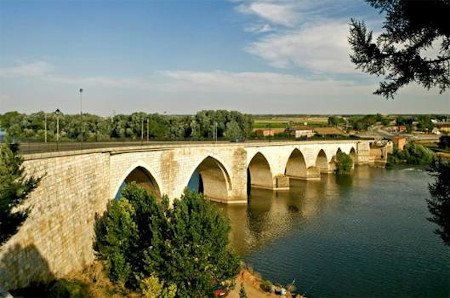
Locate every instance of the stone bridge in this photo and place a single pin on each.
(57, 237)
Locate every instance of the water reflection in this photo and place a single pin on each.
(272, 214)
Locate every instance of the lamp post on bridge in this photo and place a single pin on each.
(81, 117)
(57, 112)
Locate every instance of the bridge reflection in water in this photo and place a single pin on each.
(273, 214)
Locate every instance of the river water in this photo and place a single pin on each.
(361, 236)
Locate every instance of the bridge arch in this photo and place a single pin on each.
(353, 155)
(259, 173)
(211, 179)
(322, 162)
(332, 165)
(139, 173)
(296, 165)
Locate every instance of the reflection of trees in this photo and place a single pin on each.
(439, 203)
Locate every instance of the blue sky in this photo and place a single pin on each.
(183, 56)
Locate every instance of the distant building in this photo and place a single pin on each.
(300, 132)
(268, 132)
(436, 131)
(399, 142)
(328, 131)
(2, 135)
(444, 127)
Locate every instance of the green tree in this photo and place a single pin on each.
(15, 188)
(233, 131)
(344, 164)
(444, 142)
(187, 245)
(439, 203)
(399, 53)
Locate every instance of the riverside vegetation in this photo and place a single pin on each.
(178, 251)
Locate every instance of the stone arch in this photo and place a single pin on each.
(332, 164)
(259, 173)
(353, 155)
(142, 176)
(296, 165)
(211, 178)
(322, 162)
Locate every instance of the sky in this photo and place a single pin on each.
(179, 57)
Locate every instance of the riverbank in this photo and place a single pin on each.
(252, 285)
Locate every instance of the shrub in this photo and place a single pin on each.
(266, 286)
(344, 164)
(186, 245)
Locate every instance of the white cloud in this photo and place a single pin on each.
(32, 69)
(276, 13)
(318, 48)
(259, 28)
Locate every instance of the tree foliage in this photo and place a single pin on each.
(344, 164)
(412, 154)
(186, 245)
(15, 188)
(132, 127)
(444, 142)
(439, 203)
(400, 52)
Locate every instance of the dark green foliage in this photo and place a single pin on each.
(439, 203)
(131, 127)
(69, 289)
(186, 245)
(444, 142)
(412, 154)
(398, 54)
(266, 286)
(335, 121)
(15, 188)
(344, 164)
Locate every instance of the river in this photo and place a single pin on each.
(361, 236)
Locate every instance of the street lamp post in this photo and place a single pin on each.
(45, 127)
(147, 129)
(142, 131)
(57, 112)
(81, 117)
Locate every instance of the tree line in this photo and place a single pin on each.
(203, 125)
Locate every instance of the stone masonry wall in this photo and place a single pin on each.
(57, 236)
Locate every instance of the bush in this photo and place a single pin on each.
(266, 286)
(186, 245)
(444, 142)
(344, 164)
(68, 288)
(412, 154)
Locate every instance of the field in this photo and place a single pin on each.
(285, 121)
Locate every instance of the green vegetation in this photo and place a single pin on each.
(412, 154)
(444, 142)
(344, 164)
(132, 127)
(400, 52)
(15, 188)
(184, 246)
(439, 203)
(266, 286)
